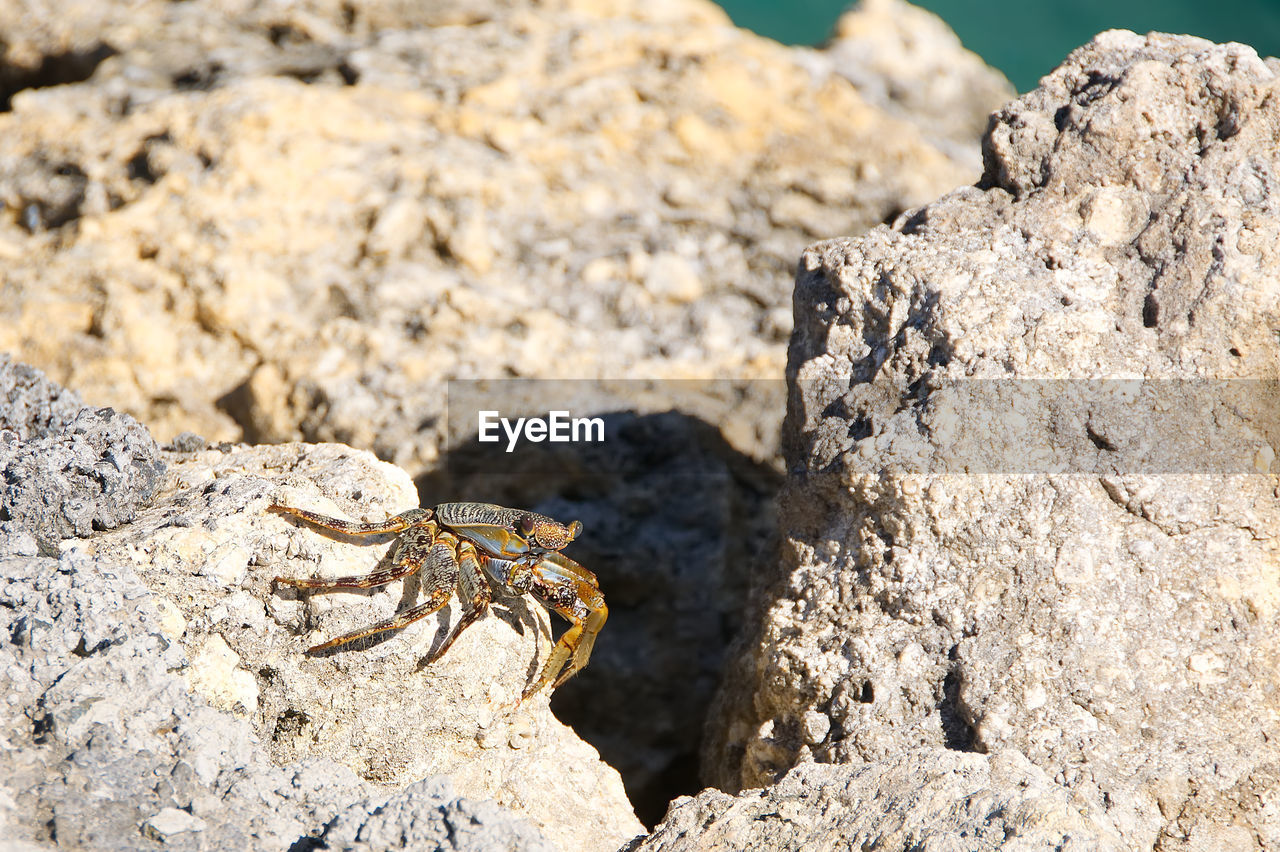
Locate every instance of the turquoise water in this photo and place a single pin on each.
(1026, 40)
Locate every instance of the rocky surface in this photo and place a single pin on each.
(66, 470)
(301, 220)
(919, 799)
(209, 548)
(157, 693)
(907, 61)
(129, 718)
(427, 815)
(1117, 624)
(105, 747)
(350, 205)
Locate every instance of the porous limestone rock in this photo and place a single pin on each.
(300, 220)
(210, 548)
(129, 719)
(427, 815)
(994, 575)
(103, 741)
(907, 61)
(926, 798)
(66, 470)
(107, 747)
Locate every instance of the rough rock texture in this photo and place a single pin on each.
(105, 748)
(31, 406)
(1119, 627)
(923, 799)
(298, 220)
(66, 470)
(290, 220)
(209, 548)
(909, 62)
(129, 719)
(427, 815)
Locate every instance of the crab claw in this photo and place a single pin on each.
(572, 591)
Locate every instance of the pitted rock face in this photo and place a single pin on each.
(210, 547)
(303, 221)
(1118, 625)
(66, 469)
(908, 801)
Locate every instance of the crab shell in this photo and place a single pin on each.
(506, 533)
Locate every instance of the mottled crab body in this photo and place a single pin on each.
(571, 590)
(504, 532)
(464, 546)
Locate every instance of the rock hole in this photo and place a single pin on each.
(140, 165)
(1150, 311)
(56, 69)
(282, 34)
(201, 78)
(60, 200)
(1099, 440)
(348, 16)
(868, 694)
(289, 725)
(957, 733)
(350, 76)
(41, 727)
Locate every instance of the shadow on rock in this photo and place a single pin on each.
(674, 520)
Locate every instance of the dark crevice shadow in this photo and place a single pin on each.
(958, 734)
(55, 69)
(675, 520)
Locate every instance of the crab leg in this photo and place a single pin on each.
(394, 524)
(439, 578)
(408, 557)
(473, 591)
(357, 581)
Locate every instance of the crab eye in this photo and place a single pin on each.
(527, 525)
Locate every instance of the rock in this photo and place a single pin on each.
(919, 799)
(181, 235)
(908, 62)
(426, 815)
(314, 221)
(128, 724)
(373, 706)
(32, 406)
(171, 821)
(66, 473)
(1114, 622)
(105, 746)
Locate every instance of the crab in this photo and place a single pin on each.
(455, 545)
